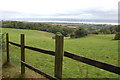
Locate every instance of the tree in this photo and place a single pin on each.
(105, 31)
(118, 28)
(67, 31)
(72, 35)
(81, 32)
(112, 29)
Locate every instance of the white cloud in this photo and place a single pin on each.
(54, 6)
(36, 8)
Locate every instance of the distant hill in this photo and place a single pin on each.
(66, 20)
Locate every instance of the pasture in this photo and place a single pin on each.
(97, 47)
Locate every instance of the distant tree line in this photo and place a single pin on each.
(38, 26)
(66, 31)
(112, 29)
(109, 29)
(95, 28)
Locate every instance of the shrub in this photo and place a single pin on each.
(72, 35)
(53, 37)
(2, 41)
(117, 36)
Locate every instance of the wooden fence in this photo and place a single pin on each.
(58, 53)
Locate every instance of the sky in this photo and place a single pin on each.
(82, 9)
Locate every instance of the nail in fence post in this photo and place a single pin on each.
(59, 55)
(7, 47)
(22, 53)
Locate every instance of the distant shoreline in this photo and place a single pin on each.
(57, 21)
(76, 22)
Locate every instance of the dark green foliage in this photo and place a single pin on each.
(66, 31)
(72, 35)
(2, 41)
(113, 29)
(102, 29)
(117, 36)
(38, 26)
(81, 32)
(118, 28)
(105, 31)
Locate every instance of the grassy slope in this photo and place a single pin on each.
(98, 47)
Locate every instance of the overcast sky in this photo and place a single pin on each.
(83, 9)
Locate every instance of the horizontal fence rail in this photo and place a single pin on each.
(39, 71)
(35, 49)
(101, 65)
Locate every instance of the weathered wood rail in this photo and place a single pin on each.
(38, 71)
(58, 53)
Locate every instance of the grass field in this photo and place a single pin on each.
(98, 47)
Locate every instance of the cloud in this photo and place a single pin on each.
(11, 14)
(90, 13)
(94, 13)
(14, 14)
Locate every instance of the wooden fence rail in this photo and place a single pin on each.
(59, 52)
(39, 71)
(35, 49)
(105, 66)
(101, 65)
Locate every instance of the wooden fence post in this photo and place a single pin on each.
(22, 54)
(59, 55)
(7, 47)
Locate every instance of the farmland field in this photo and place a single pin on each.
(97, 47)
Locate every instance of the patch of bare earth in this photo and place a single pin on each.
(9, 71)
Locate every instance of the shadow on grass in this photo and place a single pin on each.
(6, 65)
(11, 72)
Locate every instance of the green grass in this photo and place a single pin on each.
(98, 47)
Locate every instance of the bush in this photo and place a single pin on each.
(72, 35)
(2, 41)
(95, 32)
(117, 36)
(53, 37)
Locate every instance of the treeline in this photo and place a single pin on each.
(109, 29)
(38, 26)
(66, 31)
(94, 28)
